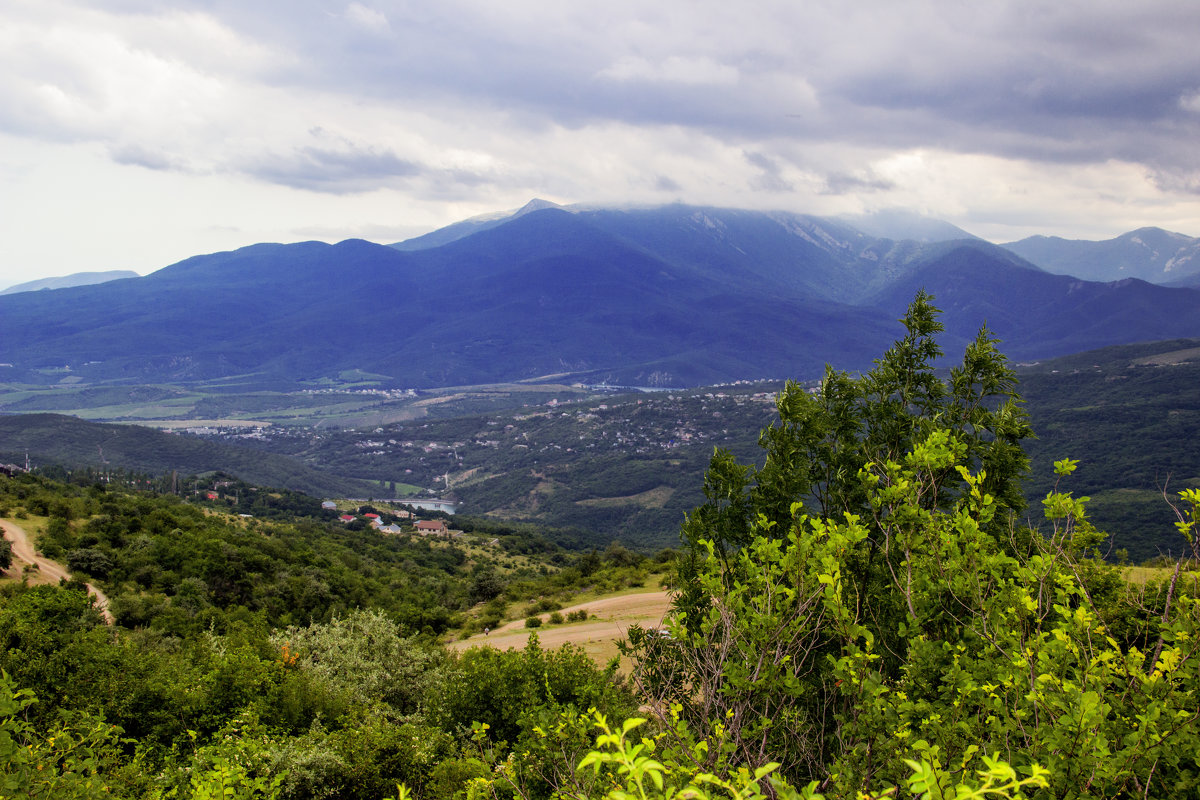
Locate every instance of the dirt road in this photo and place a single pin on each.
(608, 620)
(47, 571)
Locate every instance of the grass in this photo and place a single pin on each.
(34, 526)
(1173, 357)
(609, 617)
(1139, 576)
(653, 583)
(651, 498)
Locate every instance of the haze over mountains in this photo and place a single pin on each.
(667, 296)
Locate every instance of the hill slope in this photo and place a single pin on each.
(71, 442)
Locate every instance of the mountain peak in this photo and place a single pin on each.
(536, 204)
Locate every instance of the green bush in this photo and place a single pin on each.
(533, 622)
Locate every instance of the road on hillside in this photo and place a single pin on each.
(608, 620)
(47, 571)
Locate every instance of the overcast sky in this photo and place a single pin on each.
(134, 134)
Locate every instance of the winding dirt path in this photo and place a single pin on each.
(47, 571)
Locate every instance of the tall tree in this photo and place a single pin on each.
(872, 595)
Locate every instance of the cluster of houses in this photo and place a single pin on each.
(431, 527)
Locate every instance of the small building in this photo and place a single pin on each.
(346, 518)
(329, 505)
(433, 526)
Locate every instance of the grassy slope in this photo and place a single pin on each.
(609, 617)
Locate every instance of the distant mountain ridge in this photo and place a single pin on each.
(67, 281)
(667, 296)
(1149, 254)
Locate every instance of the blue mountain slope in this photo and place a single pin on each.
(545, 293)
(673, 296)
(1037, 314)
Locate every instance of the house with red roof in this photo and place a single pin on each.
(432, 527)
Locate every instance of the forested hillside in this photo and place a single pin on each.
(71, 443)
(1130, 415)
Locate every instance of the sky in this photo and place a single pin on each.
(134, 134)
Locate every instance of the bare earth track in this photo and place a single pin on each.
(598, 636)
(47, 571)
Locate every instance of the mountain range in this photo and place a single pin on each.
(668, 296)
(1149, 254)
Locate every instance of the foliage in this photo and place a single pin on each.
(528, 704)
(909, 617)
(72, 761)
(642, 768)
(365, 655)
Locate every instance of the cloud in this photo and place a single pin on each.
(334, 169)
(662, 183)
(1084, 111)
(695, 71)
(136, 155)
(368, 19)
(770, 177)
(840, 183)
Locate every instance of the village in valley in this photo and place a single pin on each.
(396, 521)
